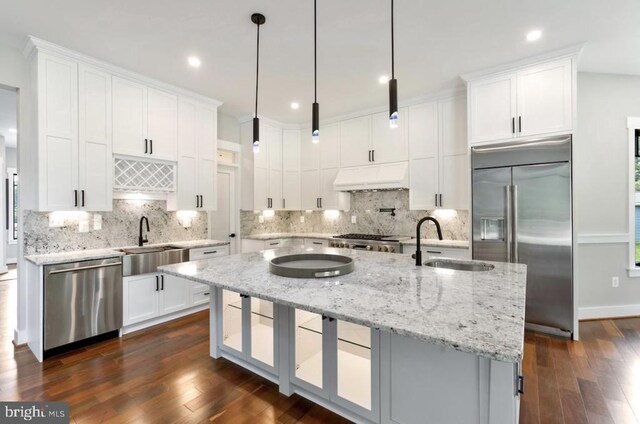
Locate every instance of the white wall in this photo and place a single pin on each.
(14, 73)
(601, 200)
(228, 128)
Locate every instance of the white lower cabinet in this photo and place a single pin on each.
(249, 245)
(141, 298)
(247, 329)
(336, 360)
(312, 242)
(430, 251)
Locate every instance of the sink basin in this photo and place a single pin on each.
(145, 260)
(143, 250)
(459, 265)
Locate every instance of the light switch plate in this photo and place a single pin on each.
(261, 219)
(97, 221)
(302, 219)
(353, 219)
(83, 226)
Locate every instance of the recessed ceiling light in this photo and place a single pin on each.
(383, 79)
(194, 61)
(13, 131)
(534, 35)
(295, 105)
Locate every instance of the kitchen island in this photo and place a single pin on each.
(390, 342)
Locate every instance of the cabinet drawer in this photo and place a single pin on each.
(208, 252)
(201, 298)
(199, 288)
(443, 252)
(272, 244)
(316, 243)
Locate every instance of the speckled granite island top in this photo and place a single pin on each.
(477, 312)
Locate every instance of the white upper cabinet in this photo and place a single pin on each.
(492, 106)
(162, 129)
(389, 144)
(329, 146)
(531, 101)
(439, 165)
(310, 189)
(145, 121)
(95, 147)
(291, 170)
(73, 128)
(423, 163)
(129, 118)
(197, 164)
(355, 142)
(544, 99)
(309, 152)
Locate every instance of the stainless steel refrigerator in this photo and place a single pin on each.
(522, 213)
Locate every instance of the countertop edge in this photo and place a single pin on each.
(499, 354)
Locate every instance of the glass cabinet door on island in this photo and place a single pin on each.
(354, 363)
(308, 337)
(232, 320)
(262, 331)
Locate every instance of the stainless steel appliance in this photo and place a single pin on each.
(146, 260)
(372, 242)
(82, 300)
(522, 212)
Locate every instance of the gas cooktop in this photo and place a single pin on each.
(371, 237)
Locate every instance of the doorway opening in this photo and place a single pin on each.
(9, 213)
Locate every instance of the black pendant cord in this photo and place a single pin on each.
(257, 64)
(393, 73)
(315, 53)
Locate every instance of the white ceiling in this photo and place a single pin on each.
(8, 116)
(436, 41)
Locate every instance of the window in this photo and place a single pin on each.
(12, 205)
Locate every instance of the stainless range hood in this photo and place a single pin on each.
(373, 177)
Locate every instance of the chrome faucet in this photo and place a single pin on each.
(142, 241)
(418, 254)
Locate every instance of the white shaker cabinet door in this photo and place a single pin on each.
(330, 146)
(207, 184)
(389, 144)
(260, 188)
(95, 147)
(355, 142)
(162, 125)
(291, 181)
(492, 106)
(58, 127)
(309, 152)
(175, 294)
(141, 298)
(208, 133)
(310, 189)
(423, 155)
(129, 118)
(545, 99)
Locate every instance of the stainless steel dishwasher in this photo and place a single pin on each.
(82, 300)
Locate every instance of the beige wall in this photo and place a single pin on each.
(601, 199)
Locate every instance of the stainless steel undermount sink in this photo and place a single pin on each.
(459, 265)
(145, 260)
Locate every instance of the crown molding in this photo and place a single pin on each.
(34, 44)
(573, 52)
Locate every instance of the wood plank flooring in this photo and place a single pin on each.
(165, 375)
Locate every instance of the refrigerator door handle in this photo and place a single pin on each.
(507, 190)
(514, 196)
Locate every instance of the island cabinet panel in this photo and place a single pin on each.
(337, 361)
(246, 331)
(426, 380)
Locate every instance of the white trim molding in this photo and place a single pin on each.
(599, 312)
(603, 238)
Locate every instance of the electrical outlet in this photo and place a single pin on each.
(615, 282)
(302, 219)
(261, 219)
(83, 226)
(97, 221)
(353, 219)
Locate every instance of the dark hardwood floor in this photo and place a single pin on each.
(165, 375)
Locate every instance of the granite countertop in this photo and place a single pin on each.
(459, 244)
(275, 236)
(93, 254)
(477, 312)
(456, 244)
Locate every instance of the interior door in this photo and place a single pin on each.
(491, 214)
(542, 199)
(222, 221)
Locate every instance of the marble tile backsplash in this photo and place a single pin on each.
(119, 227)
(365, 207)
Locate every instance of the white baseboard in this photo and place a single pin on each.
(19, 337)
(159, 320)
(621, 311)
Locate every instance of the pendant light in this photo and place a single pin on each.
(315, 116)
(258, 19)
(393, 83)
